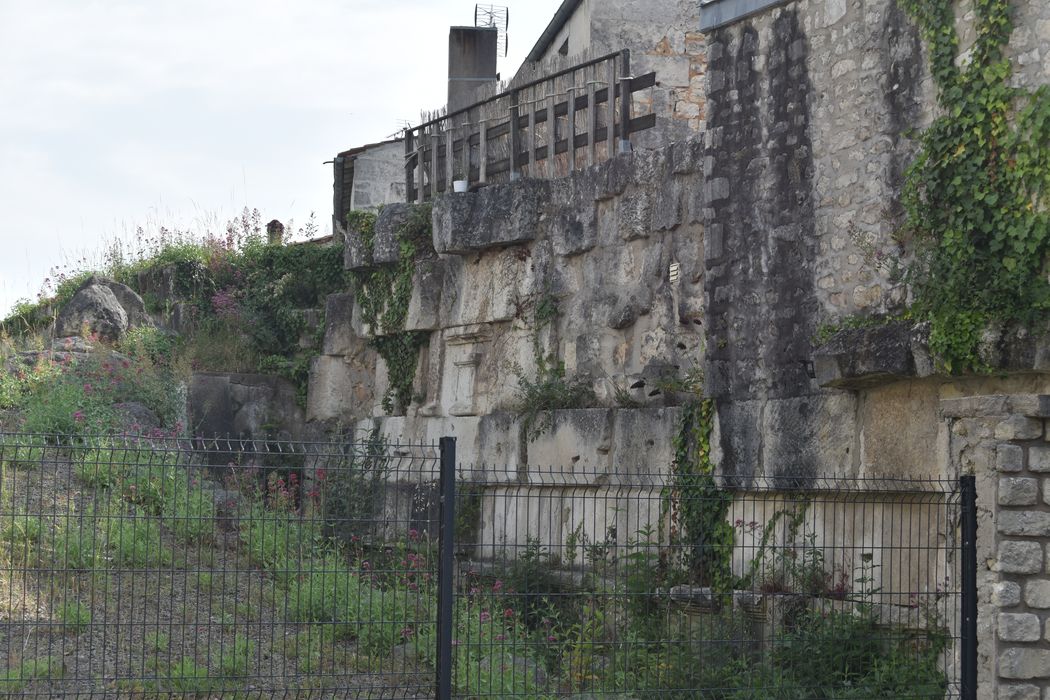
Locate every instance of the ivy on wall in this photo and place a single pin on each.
(383, 293)
(701, 506)
(976, 195)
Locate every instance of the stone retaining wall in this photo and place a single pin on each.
(1005, 442)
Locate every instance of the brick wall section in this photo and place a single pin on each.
(1005, 442)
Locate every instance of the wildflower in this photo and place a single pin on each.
(509, 612)
(497, 586)
(485, 617)
(321, 474)
(413, 534)
(78, 416)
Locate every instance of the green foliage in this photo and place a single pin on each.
(187, 508)
(976, 196)
(235, 661)
(133, 539)
(74, 615)
(21, 535)
(549, 391)
(13, 680)
(383, 293)
(400, 352)
(76, 397)
(187, 676)
(279, 541)
(25, 452)
(702, 505)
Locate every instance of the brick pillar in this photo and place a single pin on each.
(1003, 441)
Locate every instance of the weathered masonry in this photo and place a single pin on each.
(720, 249)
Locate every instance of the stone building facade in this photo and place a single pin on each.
(662, 36)
(727, 251)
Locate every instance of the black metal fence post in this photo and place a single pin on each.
(968, 631)
(446, 566)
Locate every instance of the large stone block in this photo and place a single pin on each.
(1023, 663)
(1018, 691)
(576, 448)
(1037, 594)
(1019, 627)
(388, 230)
(1024, 524)
(1019, 427)
(1018, 491)
(340, 387)
(1006, 594)
(574, 225)
(246, 406)
(1019, 558)
(339, 336)
(1039, 458)
(493, 217)
(643, 444)
(424, 305)
(863, 357)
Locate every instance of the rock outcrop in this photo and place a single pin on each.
(102, 307)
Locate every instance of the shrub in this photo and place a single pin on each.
(133, 539)
(23, 452)
(74, 615)
(187, 676)
(188, 509)
(22, 534)
(13, 680)
(279, 542)
(236, 661)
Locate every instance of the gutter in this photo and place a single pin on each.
(561, 17)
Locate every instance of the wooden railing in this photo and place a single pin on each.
(536, 129)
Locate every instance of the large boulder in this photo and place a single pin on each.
(94, 309)
(104, 307)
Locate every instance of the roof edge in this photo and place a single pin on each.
(561, 17)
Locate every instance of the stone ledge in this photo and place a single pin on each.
(386, 248)
(493, 217)
(865, 357)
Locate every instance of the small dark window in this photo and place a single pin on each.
(564, 50)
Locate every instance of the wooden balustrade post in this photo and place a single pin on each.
(626, 98)
(450, 155)
(571, 94)
(610, 119)
(483, 151)
(409, 168)
(435, 143)
(552, 135)
(530, 138)
(515, 135)
(592, 123)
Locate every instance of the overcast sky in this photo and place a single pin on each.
(117, 113)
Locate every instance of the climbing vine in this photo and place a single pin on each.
(976, 195)
(700, 504)
(383, 293)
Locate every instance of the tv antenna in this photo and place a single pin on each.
(496, 16)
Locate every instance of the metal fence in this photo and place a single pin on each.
(134, 567)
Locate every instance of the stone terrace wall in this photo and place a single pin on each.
(599, 246)
(808, 106)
